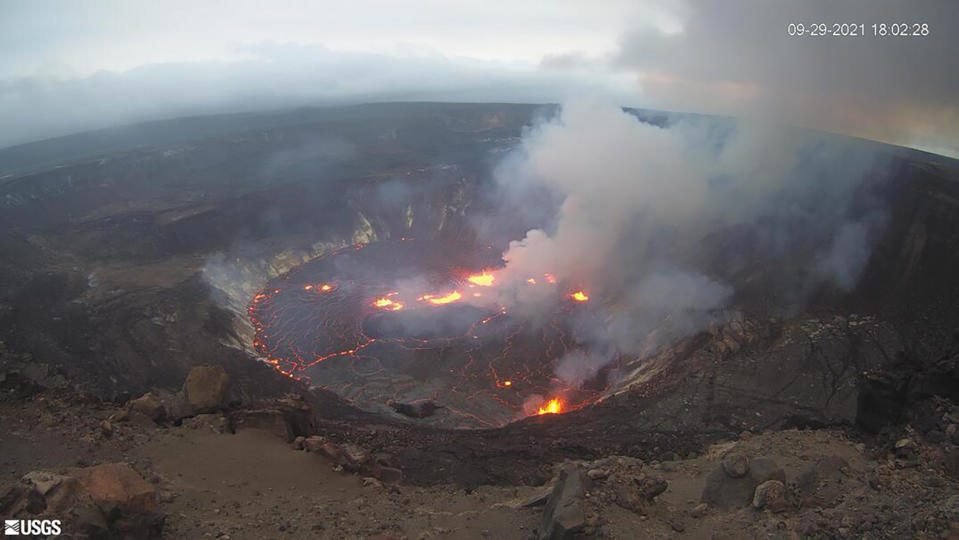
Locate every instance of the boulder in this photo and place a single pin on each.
(764, 468)
(597, 474)
(116, 486)
(331, 451)
(725, 491)
(354, 457)
(57, 491)
(418, 409)
(735, 464)
(314, 444)
(536, 499)
(206, 388)
(905, 448)
(148, 405)
(563, 517)
(106, 428)
(770, 495)
(178, 406)
(106, 501)
(390, 475)
(700, 510)
(650, 486)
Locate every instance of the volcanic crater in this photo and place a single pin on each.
(396, 324)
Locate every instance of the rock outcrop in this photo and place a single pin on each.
(105, 501)
(206, 388)
(563, 516)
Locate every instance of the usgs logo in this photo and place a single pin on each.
(45, 527)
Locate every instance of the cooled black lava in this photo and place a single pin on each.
(389, 323)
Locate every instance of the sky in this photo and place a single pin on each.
(68, 66)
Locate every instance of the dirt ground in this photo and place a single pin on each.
(252, 484)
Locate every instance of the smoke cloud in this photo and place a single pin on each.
(642, 213)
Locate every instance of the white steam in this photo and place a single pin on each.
(638, 203)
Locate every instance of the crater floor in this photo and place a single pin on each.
(388, 325)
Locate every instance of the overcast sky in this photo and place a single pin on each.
(67, 66)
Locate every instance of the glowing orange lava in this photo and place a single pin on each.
(326, 287)
(388, 304)
(507, 383)
(550, 278)
(554, 406)
(531, 281)
(451, 297)
(579, 296)
(484, 280)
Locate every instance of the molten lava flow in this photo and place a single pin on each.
(321, 325)
(554, 406)
(451, 297)
(387, 303)
(484, 280)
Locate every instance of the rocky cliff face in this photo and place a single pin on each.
(123, 270)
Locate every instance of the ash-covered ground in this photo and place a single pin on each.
(830, 308)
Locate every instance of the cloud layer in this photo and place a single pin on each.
(736, 57)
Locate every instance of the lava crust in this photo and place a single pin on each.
(388, 323)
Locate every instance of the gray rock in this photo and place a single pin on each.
(563, 516)
(905, 448)
(699, 510)
(390, 475)
(597, 474)
(148, 405)
(725, 492)
(313, 444)
(736, 464)
(650, 486)
(807, 480)
(537, 499)
(764, 468)
(297, 443)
